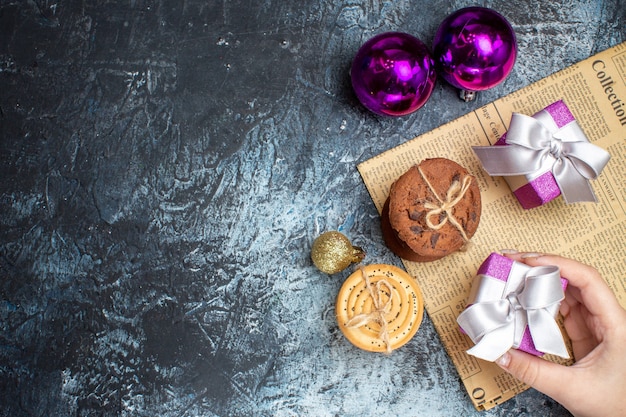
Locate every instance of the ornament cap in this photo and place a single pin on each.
(358, 254)
(467, 95)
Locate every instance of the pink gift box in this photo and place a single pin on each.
(500, 267)
(540, 187)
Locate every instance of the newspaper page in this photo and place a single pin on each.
(594, 233)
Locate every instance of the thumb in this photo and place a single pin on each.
(546, 377)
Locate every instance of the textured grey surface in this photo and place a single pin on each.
(164, 169)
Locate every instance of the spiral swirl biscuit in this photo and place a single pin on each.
(379, 308)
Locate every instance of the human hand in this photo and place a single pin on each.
(596, 324)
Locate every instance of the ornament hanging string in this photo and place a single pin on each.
(454, 194)
(380, 310)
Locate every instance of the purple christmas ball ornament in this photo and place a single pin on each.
(393, 74)
(474, 49)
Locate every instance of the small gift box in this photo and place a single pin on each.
(513, 305)
(544, 156)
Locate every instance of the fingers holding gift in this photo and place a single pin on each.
(584, 334)
(590, 308)
(547, 377)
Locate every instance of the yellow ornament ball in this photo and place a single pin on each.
(332, 252)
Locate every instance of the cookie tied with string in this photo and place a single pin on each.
(433, 210)
(379, 308)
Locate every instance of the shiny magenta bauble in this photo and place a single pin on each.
(474, 48)
(393, 74)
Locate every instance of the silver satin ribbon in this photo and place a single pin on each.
(500, 311)
(537, 142)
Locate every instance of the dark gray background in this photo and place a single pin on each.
(165, 166)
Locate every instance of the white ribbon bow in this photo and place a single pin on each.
(533, 145)
(497, 325)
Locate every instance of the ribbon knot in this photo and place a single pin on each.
(514, 304)
(537, 144)
(556, 148)
(496, 325)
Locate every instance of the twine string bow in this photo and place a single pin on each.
(454, 195)
(379, 312)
